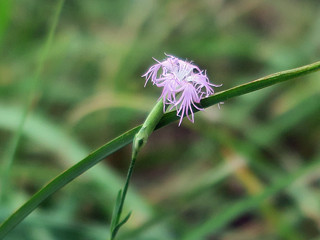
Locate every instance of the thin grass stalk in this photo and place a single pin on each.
(10, 152)
(126, 138)
(140, 139)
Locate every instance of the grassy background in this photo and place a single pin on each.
(214, 179)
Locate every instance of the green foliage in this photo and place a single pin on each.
(139, 135)
(246, 171)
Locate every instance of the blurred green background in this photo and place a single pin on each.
(216, 179)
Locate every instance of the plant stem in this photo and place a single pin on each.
(140, 139)
(127, 137)
(113, 232)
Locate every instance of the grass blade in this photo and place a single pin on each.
(114, 220)
(126, 138)
(116, 229)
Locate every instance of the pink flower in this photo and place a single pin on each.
(183, 85)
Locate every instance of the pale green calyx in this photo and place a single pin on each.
(141, 138)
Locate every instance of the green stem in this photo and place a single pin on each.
(123, 197)
(127, 137)
(140, 139)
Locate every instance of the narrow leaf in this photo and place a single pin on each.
(115, 231)
(126, 138)
(115, 218)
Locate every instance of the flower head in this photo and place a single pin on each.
(183, 85)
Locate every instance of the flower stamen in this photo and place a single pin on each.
(183, 80)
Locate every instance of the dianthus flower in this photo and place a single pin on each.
(183, 85)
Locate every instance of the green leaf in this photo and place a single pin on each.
(116, 229)
(139, 141)
(115, 213)
(126, 138)
(53, 137)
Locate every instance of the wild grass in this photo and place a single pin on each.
(247, 171)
